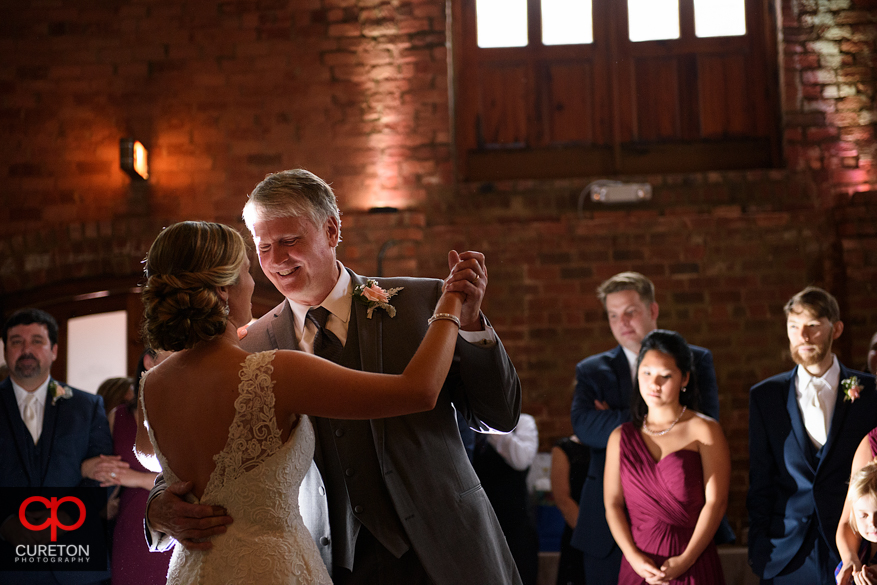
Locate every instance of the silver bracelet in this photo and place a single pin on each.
(444, 317)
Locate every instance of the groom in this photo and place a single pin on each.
(803, 433)
(404, 504)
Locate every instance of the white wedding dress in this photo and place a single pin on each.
(257, 478)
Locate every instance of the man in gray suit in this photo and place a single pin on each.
(404, 504)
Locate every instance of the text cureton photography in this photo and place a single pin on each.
(54, 529)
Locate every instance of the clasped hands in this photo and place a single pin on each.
(671, 569)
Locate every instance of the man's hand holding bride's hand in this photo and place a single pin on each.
(469, 277)
(190, 524)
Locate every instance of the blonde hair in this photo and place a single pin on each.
(627, 281)
(862, 483)
(185, 267)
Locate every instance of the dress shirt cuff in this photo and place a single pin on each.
(485, 338)
(155, 540)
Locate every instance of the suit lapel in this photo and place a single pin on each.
(801, 436)
(17, 428)
(841, 409)
(622, 371)
(281, 330)
(47, 437)
(369, 332)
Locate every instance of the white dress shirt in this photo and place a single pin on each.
(518, 448)
(39, 405)
(817, 396)
(631, 361)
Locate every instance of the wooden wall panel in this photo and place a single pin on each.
(570, 103)
(657, 98)
(503, 105)
(725, 106)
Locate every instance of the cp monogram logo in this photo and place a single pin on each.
(52, 521)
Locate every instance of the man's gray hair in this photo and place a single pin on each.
(293, 193)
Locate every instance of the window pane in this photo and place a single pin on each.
(567, 22)
(96, 349)
(501, 23)
(719, 18)
(653, 20)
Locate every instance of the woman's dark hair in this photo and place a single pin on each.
(674, 345)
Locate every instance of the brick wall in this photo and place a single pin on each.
(357, 91)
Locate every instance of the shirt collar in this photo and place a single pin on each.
(336, 302)
(631, 362)
(40, 393)
(831, 377)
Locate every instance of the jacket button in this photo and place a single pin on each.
(358, 509)
(339, 432)
(324, 541)
(349, 472)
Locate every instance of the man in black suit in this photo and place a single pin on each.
(803, 433)
(604, 386)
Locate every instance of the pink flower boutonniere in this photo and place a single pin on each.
(852, 389)
(374, 297)
(59, 391)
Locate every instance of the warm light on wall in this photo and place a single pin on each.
(133, 158)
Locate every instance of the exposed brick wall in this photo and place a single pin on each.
(357, 91)
(828, 87)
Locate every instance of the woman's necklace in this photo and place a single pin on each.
(665, 431)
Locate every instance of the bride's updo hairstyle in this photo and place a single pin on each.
(185, 267)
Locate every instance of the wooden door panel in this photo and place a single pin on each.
(570, 103)
(657, 98)
(503, 101)
(725, 104)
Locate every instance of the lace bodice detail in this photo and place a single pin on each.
(257, 479)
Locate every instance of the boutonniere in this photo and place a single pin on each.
(374, 297)
(852, 389)
(58, 391)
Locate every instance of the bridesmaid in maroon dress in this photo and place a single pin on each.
(848, 542)
(667, 474)
(132, 563)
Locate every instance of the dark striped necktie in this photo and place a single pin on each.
(326, 344)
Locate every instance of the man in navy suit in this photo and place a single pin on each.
(604, 385)
(803, 433)
(50, 435)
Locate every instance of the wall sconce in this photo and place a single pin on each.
(133, 158)
(604, 191)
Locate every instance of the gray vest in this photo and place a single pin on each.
(356, 493)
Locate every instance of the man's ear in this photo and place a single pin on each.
(654, 310)
(837, 329)
(333, 230)
(54, 352)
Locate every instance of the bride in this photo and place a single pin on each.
(235, 424)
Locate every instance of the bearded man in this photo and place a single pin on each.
(803, 431)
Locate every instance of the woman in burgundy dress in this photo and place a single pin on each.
(132, 563)
(667, 474)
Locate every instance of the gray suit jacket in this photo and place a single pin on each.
(446, 516)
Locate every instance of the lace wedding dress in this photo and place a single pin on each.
(256, 479)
